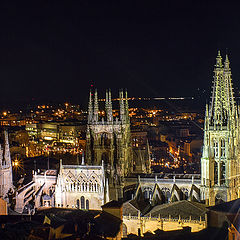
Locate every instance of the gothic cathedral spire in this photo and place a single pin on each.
(219, 157)
(222, 104)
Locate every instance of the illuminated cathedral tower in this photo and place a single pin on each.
(6, 181)
(109, 140)
(219, 163)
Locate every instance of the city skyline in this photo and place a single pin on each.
(55, 51)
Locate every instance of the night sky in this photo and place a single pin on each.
(52, 50)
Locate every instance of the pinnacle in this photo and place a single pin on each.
(226, 58)
(219, 60)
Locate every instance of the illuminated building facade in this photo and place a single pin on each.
(6, 179)
(109, 140)
(81, 186)
(219, 162)
(62, 132)
(73, 186)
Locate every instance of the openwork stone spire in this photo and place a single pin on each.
(220, 156)
(222, 107)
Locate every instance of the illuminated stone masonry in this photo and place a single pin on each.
(220, 157)
(81, 186)
(6, 178)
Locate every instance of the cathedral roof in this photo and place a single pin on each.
(230, 207)
(185, 209)
(99, 223)
(141, 205)
(130, 209)
(113, 204)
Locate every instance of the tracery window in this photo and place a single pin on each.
(215, 148)
(223, 151)
(90, 186)
(222, 173)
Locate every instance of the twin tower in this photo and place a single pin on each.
(220, 163)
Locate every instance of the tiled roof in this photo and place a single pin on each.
(230, 207)
(113, 204)
(129, 209)
(184, 209)
(92, 222)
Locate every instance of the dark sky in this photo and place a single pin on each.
(51, 50)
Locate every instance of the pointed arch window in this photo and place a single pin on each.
(87, 204)
(168, 196)
(145, 194)
(223, 148)
(150, 194)
(82, 202)
(215, 148)
(222, 173)
(90, 186)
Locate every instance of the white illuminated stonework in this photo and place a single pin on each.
(81, 186)
(220, 158)
(6, 182)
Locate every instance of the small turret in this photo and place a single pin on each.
(122, 108)
(226, 62)
(108, 106)
(95, 110)
(7, 155)
(219, 60)
(90, 108)
(206, 118)
(126, 107)
(83, 163)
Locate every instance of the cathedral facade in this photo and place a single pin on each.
(81, 186)
(220, 156)
(109, 140)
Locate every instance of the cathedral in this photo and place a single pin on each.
(220, 156)
(107, 173)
